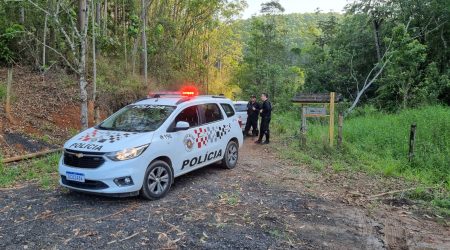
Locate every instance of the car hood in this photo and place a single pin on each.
(96, 140)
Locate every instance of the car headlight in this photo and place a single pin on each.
(127, 154)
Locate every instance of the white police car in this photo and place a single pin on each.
(141, 148)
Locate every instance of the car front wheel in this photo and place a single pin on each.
(157, 182)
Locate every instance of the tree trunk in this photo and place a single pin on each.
(144, 39)
(368, 82)
(98, 17)
(44, 42)
(125, 38)
(116, 13)
(94, 70)
(22, 15)
(376, 30)
(133, 56)
(82, 8)
(8, 94)
(82, 22)
(105, 18)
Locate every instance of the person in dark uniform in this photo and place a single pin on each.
(266, 112)
(252, 118)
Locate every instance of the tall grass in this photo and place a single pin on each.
(377, 142)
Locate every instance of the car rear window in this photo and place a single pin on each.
(228, 109)
(240, 107)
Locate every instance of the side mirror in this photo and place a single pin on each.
(181, 126)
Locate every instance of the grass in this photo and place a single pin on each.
(377, 143)
(230, 199)
(43, 170)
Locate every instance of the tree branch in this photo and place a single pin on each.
(56, 19)
(56, 52)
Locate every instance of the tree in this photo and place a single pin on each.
(269, 65)
(77, 61)
(402, 78)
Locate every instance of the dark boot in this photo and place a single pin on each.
(259, 141)
(267, 141)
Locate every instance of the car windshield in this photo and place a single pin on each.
(240, 107)
(137, 118)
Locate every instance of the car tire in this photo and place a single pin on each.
(231, 155)
(157, 180)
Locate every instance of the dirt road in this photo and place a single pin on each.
(260, 204)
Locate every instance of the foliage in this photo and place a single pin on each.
(410, 36)
(401, 82)
(378, 142)
(8, 43)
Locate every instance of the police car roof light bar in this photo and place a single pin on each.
(189, 91)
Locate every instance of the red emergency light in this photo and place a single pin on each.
(189, 91)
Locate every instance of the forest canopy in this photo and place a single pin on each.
(390, 54)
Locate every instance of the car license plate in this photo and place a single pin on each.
(72, 176)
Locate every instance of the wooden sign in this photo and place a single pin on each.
(315, 112)
(325, 99)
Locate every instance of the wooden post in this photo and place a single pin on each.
(340, 124)
(412, 142)
(8, 94)
(332, 94)
(303, 128)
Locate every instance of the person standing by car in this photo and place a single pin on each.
(266, 113)
(252, 118)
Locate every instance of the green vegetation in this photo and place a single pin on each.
(43, 170)
(377, 143)
(231, 199)
(2, 92)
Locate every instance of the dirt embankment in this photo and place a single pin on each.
(45, 111)
(260, 204)
(39, 107)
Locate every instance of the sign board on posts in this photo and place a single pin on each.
(315, 112)
(326, 99)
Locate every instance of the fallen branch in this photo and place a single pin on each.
(116, 213)
(127, 238)
(29, 156)
(395, 192)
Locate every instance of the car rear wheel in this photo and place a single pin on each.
(157, 181)
(231, 155)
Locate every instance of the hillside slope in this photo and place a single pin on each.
(44, 111)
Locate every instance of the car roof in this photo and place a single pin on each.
(178, 100)
(240, 102)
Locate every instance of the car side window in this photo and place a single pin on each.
(228, 109)
(189, 115)
(211, 112)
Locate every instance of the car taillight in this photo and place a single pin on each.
(240, 122)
